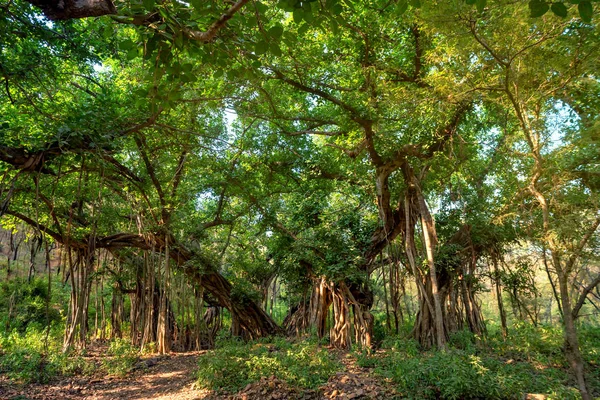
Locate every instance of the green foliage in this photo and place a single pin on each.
(121, 358)
(35, 356)
(234, 364)
(28, 301)
(530, 361)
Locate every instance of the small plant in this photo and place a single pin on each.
(122, 357)
(149, 348)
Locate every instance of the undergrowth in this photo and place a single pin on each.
(121, 357)
(31, 356)
(27, 357)
(529, 361)
(235, 364)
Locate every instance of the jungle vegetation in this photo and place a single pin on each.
(418, 175)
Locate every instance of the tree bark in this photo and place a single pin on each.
(571, 340)
(501, 310)
(73, 9)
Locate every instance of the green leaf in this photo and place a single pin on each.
(261, 7)
(141, 92)
(303, 29)
(5, 125)
(415, 3)
(308, 16)
(108, 32)
(538, 8)
(298, 15)
(261, 47)
(480, 4)
(401, 7)
(470, 2)
(275, 50)
(586, 10)
(275, 32)
(232, 74)
(126, 45)
(133, 53)
(337, 9)
(559, 9)
(179, 40)
(148, 4)
(198, 5)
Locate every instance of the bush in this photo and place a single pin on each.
(122, 357)
(469, 370)
(29, 301)
(234, 364)
(24, 357)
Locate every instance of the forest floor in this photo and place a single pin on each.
(173, 377)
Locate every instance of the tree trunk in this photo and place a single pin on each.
(572, 351)
(501, 310)
(430, 240)
(77, 321)
(116, 313)
(339, 333)
(163, 332)
(385, 294)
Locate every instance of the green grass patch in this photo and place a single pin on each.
(234, 364)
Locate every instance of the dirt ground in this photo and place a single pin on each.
(172, 377)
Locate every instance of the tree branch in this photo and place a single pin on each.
(583, 296)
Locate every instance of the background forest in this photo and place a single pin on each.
(415, 183)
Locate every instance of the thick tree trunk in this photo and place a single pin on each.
(311, 313)
(340, 331)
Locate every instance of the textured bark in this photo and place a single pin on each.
(311, 313)
(340, 331)
(72, 9)
(571, 340)
(430, 241)
(76, 328)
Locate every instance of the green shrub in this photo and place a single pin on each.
(121, 357)
(26, 357)
(467, 370)
(29, 303)
(234, 364)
